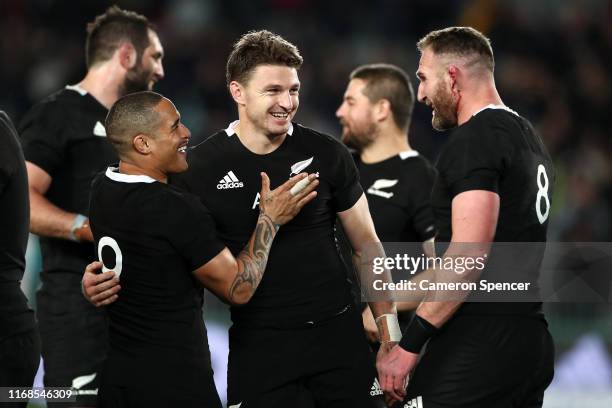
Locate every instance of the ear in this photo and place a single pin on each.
(127, 55)
(382, 110)
(237, 92)
(453, 74)
(142, 144)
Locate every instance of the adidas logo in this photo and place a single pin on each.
(376, 390)
(414, 403)
(99, 129)
(229, 181)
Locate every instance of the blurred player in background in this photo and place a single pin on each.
(64, 143)
(375, 116)
(495, 183)
(161, 243)
(19, 340)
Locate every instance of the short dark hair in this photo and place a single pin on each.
(108, 30)
(461, 41)
(259, 48)
(390, 82)
(131, 115)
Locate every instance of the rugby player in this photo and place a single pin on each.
(494, 185)
(161, 242)
(19, 340)
(64, 143)
(375, 115)
(299, 329)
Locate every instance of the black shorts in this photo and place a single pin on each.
(148, 396)
(74, 336)
(325, 364)
(19, 360)
(484, 361)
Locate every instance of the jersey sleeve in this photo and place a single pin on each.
(346, 189)
(423, 220)
(475, 158)
(42, 138)
(192, 231)
(6, 160)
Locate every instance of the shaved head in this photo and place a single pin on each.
(465, 43)
(132, 115)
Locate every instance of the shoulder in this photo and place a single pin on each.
(50, 102)
(53, 108)
(202, 146)
(315, 137)
(203, 155)
(320, 143)
(417, 165)
(490, 124)
(488, 132)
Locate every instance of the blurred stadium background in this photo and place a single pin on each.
(553, 64)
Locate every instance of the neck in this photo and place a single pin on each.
(474, 100)
(388, 143)
(103, 82)
(256, 141)
(134, 169)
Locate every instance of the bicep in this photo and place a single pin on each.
(38, 179)
(357, 224)
(474, 216)
(218, 273)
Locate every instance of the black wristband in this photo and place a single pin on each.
(416, 335)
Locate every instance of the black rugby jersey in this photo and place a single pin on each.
(499, 151)
(305, 279)
(15, 315)
(64, 135)
(154, 236)
(398, 191)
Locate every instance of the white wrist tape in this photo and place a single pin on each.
(78, 222)
(395, 334)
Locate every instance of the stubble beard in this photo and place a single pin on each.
(361, 138)
(136, 80)
(445, 116)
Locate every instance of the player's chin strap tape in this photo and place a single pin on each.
(416, 335)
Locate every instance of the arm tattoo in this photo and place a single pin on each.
(253, 258)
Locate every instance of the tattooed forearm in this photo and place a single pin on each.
(252, 260)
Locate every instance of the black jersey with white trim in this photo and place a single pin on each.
(497, 150)
(15, 315)
(154, 235)
(305, 279)
(399, 192)
(64, 135)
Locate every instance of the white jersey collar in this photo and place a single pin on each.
(407, 154)
(491, 106)
(76, 88)
(231, 128)
(113, 174)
